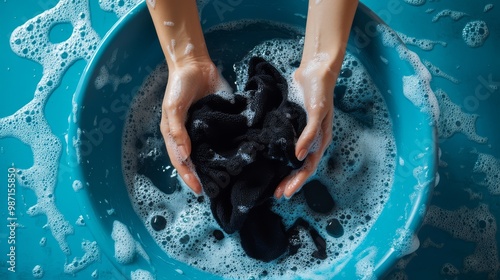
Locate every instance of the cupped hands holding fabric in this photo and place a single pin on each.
(192, 75)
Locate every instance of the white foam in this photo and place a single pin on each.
(77, 185)
(92, 254)
(436, 71)
(455, 15)
(490, 166)
(120, 8)
(476, 225)
(487, 7)
(453, 120)
(37, 272)
(169, 23)
(416, 87)
(415, 2)
(80, 221)
(125, 246)
(141, 274)
(32, 41)
(475, 33)
(365, 266)
(189, 48)
(424, 44)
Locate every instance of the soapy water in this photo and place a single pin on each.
(29, 124)
(356, 168)
(481, 230)
(475, 225)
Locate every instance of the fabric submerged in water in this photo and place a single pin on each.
(242, 149)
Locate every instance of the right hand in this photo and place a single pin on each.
(186, 84)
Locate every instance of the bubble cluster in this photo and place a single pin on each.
(490, 166)
(80, 221)
(126, 247)
(37, 272)
(119, 7)
(141, 274)
(455, 15)
(356, 170)
(453, 120)
(438, 72)
(475, 225)
(488, 7)
(415, 2)
(34, 40)
(92, 254)
(475, 33)
(416, 87)
(424, 44)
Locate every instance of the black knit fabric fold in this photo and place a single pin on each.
(242, 149)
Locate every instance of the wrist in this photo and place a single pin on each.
(322, 65)
(179, 54)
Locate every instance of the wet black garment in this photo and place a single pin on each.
(242, 149)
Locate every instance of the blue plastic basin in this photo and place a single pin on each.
(133, 42)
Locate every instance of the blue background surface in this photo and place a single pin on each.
(475, 68)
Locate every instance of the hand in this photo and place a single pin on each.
(186, 84)
(317, 83)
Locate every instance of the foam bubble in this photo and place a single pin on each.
(475, 33)
(490, 166)
(487, 7)
(415, 2)
(31, 41)
(406, 242)
(77, 185)
(37, 272)
(438, 72)
(80, 221)
(120, 8)
(141, 274)
(449, 269)
(365, 266)
(415, 87)
(424, 44)
(455, 15)
(125, 245)
(453, 120)
(476, 225)
(92, 254)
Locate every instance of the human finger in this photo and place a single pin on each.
(184, 167)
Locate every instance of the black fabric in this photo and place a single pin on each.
(241, 162)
